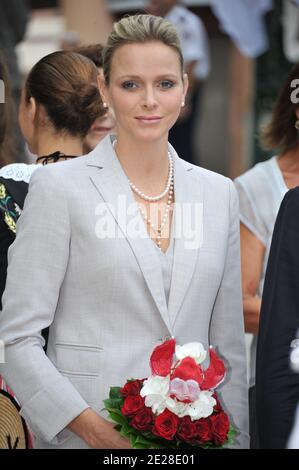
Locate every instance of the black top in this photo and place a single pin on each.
(12, 197)
(277, 386)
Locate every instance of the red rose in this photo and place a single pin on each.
(219, 427)
(166, 425)
(188, 369)
(161, 358)
(143, 420)
(132, 405)
(203, 431)
(217, 407)
(131, 388)
(187, 429)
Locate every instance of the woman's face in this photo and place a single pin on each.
(100, 128)
(146, 90)
(26, 121)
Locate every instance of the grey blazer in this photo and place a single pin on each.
(78, 266)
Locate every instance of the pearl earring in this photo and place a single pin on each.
(183, 104)
(297, 124)
(105, 105)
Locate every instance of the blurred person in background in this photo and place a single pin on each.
(195, 47)
(13, 21)
(261, 190)
(277, 383)
(59, 102)
(12, 434)
(105, 124)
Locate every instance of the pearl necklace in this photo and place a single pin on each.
(167, 187)
(148, 221)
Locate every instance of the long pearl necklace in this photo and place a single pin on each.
(168, 189)
(148, 221)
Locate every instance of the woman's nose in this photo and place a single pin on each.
(149, 98)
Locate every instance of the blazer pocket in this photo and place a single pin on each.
(78, 360)
(89, 388)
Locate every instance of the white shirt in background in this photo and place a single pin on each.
(261, 190)
(193, 37)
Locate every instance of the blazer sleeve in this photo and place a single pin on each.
(277, 387)
(227, 329)
(37, 264)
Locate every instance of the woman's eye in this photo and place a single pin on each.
(166, 84)
(129, 85)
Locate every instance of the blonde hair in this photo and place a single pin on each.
(140, 29)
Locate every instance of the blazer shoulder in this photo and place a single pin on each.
(214, 182)
(209, 175)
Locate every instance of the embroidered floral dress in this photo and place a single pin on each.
(14, 181)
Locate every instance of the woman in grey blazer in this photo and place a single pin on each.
(119, 249)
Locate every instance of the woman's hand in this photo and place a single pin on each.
(97, 432)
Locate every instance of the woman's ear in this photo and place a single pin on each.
(186, 85)
(103, 89)
(31, 109)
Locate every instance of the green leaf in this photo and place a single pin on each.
(141, 446)
(120, 419)
(142, 440)
(114, 403)
(115, 392)
(107, 404)
(117, 412)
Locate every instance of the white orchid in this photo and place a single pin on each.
(184, 389)
(177, 407)
(203, 407)
(155, 390)
(156, 402)
(194, 350)
(155, 385)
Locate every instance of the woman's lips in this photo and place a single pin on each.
(148, 119)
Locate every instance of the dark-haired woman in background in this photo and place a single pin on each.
(261, 191)
(9, 431)
(60, 101)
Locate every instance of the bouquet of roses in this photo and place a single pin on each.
(177, 406)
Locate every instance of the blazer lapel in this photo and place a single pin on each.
(188, 232)
(111, 182)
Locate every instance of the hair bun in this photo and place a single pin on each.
(65, 83)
